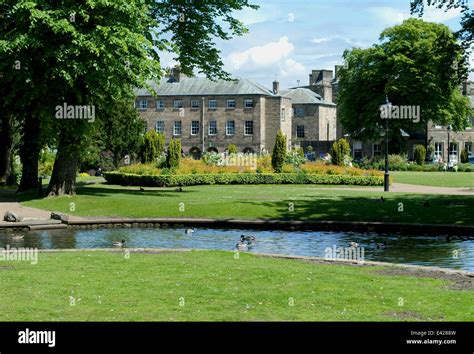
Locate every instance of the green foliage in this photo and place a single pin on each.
(46, 162)
(416, 63)
(464, 156)
(339, 152)
(279, 152)
(232, 149)
(173, 157)
(295, 158)
(239, 178)
(212, 159)
(420, 154)
(153, 146)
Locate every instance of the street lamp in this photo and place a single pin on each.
(384, 114)
(449, 159)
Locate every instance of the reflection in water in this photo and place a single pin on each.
(421, 250)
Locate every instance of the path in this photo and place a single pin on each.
(412, 188)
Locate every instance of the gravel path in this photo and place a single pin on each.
(412, 188)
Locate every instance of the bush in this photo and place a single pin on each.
(279, 152)
(295, 158)
(339, 152)
(420, 155)
(153, 146)
(232, 149)
(239, 178)
(464, 156)
(173, 158)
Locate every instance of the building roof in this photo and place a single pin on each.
(201, 86)
(302, 95)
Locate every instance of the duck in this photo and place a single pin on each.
(381, 245)
(242, 246)
(142, 189)
(189, 231)
(119, 243)
(354, 244)
(247, 238)
(178, 189)
(382, 199)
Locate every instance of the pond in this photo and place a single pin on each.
(420, 250)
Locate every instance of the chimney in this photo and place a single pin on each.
(276, 87)
(176, 74)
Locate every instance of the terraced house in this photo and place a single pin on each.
(209, 115)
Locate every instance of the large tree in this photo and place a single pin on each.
(416, 63)
(93, 52)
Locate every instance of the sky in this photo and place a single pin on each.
(289, 38)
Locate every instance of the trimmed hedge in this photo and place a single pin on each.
(127, 179)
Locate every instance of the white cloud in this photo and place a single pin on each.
(389, 15)
(267, 54)
(291, 68)
(433, 14)
(320, 40)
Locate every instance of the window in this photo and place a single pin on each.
(248, 103)
(194, 103)
(299, 112)
(248, 128)
(177, 127)
(357, 146)
(145, 126)
(468, 146)
(143, 104)
(230, 127)
(212, 104)
(231, 104)
(212, 127)
(471, 123)
(160, 104)
(300, 131)
(438, 151)
(377, 149)
(283, 115)
(195, 127)
(160, 126)
(453, 149)
(177, 104)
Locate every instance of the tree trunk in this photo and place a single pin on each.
(6, 137)
(29, 152)
(63, 179)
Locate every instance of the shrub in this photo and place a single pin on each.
(464, 156)
(279, 152)
(173, 158)
(420, 154)
(232, 149)
(339, 152)
(239, 178)
(153, 146)
(295, 158)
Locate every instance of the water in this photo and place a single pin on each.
(419, 250)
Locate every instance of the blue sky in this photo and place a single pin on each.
(288, 39)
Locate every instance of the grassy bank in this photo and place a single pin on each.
(437, 179)
(260, 202)
(212, 285)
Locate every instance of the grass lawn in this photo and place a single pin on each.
(259, 202)
(437, 179)
(215, 286)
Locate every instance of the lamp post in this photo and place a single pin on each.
(385, 114)
(449, 158)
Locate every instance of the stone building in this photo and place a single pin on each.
(209, 115)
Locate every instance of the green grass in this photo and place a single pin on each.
(260, 202)
(215, 286)
(437, 179)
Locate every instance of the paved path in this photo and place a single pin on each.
(412, 188)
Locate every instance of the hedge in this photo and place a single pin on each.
(127, 179)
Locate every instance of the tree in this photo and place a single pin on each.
(232, 149)
(464, 156)
(339, 152)
(420, 154)
(173, 157)
(279, 152)
(467, 22)
(90, 53)
(153, 146)
(417, 64)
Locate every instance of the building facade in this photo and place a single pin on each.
(210, 115)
